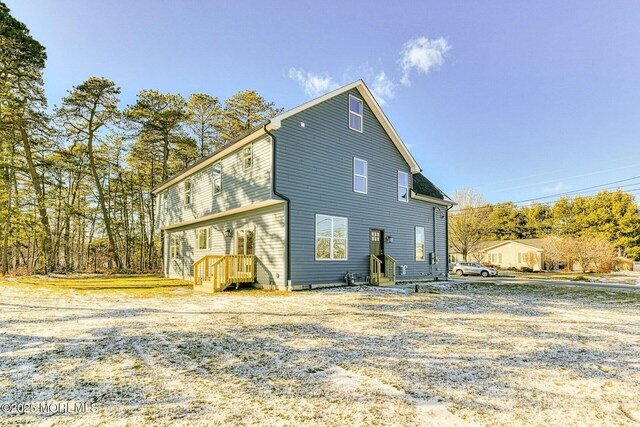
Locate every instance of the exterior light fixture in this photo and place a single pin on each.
(227, 232)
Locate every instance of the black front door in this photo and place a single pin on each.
(376, 244)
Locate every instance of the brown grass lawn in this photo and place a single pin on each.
(146, 351)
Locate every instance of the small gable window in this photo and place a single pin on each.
(403, 186)
(360, 176)
(355, 113)
(216, 178)
(187, 192)
(247, 157)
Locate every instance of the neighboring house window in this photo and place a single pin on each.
(245, 241)
(217, 178)
(247, 157)
(419, 243)
(187, 192)
(519, 257)
(403, 186)
(360, 176)
(331, 237)
(174, 247)
(355, 113)
(203, 237)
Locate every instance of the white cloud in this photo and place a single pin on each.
(314, 84)
(383, 88)
(417, 56)
(422, 55)
(557, 188)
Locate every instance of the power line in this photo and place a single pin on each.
(472, 210)
(592, 188)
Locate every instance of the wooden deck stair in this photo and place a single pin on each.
(379, 278)
(215, 273)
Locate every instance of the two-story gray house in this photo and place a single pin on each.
(325, 189)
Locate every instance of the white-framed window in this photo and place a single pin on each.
(419, 243)
(403, 186)
(187, 192)
(355, 113)
(165, 202)
(216, 178)
(332, 237)
(203, 238)
(245, 241)
(247, 157)
(360, 180)
(174, 246)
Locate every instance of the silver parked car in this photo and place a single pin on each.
(472, 268)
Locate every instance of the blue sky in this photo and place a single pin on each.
(516, 99)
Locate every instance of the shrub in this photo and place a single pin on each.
(526, 269)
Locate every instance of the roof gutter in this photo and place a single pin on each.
(283, 197)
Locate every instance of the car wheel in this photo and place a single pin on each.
(459, 272)
(485, 273)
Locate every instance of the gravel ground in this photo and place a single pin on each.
(457, 355)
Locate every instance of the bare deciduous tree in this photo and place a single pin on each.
(468, 222)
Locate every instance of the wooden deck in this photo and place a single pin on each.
(379, 278)
(215, 273)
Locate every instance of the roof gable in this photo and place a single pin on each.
(367, 97)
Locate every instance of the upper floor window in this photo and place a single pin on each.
(203, 238)
(216, 178)
(419, 243)
(403, 186)
(187, 192)
(174, 246)
(247, 157)
(355, 113)
(331, 237)
(360, 176)
(165, 202)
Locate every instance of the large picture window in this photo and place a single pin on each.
(419, 243)
(360, 176)
(216, 178)
(355, 113)
(403, 186)
(332, 237)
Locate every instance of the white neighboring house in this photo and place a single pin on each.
(508, 253)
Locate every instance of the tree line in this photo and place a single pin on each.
(75, 180)
(582, 225)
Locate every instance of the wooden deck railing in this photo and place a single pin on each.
(375, 270)
(222, 270)
(390, 268)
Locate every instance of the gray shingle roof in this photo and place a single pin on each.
(422, 185)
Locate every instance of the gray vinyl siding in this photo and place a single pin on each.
(240, 187)
(315, 170)
(269, 225)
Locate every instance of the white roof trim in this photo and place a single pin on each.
(241, 209)
(377, 111)
(424, 198)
